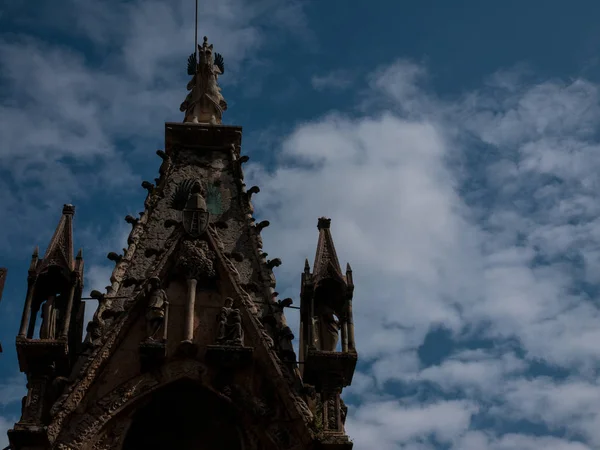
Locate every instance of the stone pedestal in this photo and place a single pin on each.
(41, 352)
(28, 437)
(333, 442)
(324, 367)
(228, 356)
(152, 353)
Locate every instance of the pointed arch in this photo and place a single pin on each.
(90, 426)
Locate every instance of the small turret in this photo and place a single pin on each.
(325, 313)
(51, 328)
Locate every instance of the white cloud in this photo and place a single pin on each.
(386, 423)
(335, 80)
(12, 389)
(6, 423)
(427, 248)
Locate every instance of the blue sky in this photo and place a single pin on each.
(455, 145)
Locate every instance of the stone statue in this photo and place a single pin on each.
(155, 313)
(51, 316)
(327, 329)
(204, 103)
(230, 325)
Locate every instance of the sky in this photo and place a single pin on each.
(455, 146)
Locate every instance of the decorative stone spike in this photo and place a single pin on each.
(252, 190)
(262, 225)
(113, 256)
(275, 262)
(148, 186)
(131, 220)
(286, 302)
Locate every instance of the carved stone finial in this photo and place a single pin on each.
(204, 103)
(324, 223)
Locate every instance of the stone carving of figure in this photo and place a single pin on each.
(155, 313)
(327, 329)
(230, 325)
(50, 316)
(204, 103)
(46, 316)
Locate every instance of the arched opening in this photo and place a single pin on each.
(184, 416)
(49, 304)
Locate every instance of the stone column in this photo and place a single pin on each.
(351, 345)
(27, 309)
(344, 332)
(311, 328)
(33, 406)
(166, 321)
(189, 311)
(67, 316)
(332, 418)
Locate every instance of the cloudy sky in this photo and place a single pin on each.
(455, 145)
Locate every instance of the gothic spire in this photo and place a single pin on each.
(326, 265)
(60, 250)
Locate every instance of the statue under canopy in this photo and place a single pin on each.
(327, 328)
(204, 103)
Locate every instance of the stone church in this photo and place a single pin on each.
(189, 347)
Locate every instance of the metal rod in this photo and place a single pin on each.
(207, 306)
(196, 39)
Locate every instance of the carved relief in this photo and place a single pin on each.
(113, 438)
(196, 260)
(332, 413)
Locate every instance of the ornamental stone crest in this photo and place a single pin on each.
(189, 199)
